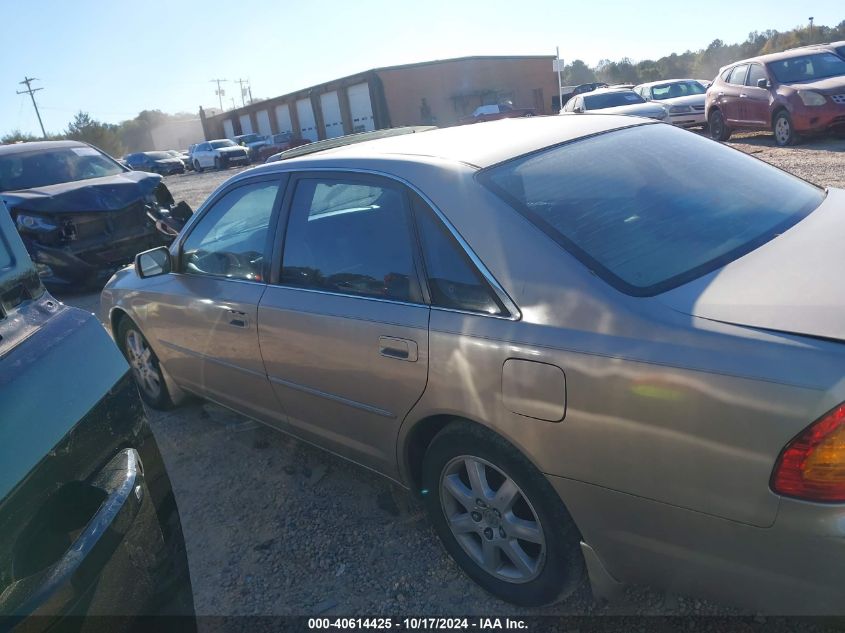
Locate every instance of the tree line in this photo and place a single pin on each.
(702, 64)
(117, 139)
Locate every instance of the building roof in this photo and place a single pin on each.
(477, 144)
(15, 148)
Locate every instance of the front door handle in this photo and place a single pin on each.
(398, 348)
(238, 319)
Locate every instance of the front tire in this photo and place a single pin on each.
(197, 167)
(784, 130)
(500, 518)
(719, 130)
(144, 364)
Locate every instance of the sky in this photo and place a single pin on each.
(113, 59)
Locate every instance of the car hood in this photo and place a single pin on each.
(109, 193)
(689, 100)
(791, 284)
(636, 109)
(231, 150)
(829, 85)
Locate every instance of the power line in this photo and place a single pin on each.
(220, 92)
(31, 92)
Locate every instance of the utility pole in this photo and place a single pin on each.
(559, 79)
(219, 92)
(811, 30)
(30, 91)
(241, 83)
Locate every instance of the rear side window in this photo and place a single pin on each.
(453, 280)
(738, 75)
(647, 221)
(351, 237)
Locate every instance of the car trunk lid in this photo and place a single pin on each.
(791, 284)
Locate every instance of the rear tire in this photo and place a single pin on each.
(516, 501)
(144, 364)
(719, 131)
(783, 130)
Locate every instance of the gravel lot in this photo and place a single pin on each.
(275, 526)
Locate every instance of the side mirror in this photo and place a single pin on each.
(153, 262)
(762, 83)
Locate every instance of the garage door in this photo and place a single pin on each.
(360, 108)
(307, 124)
(246, 124)
(228, 128)
(283, 118)
(263, 122)
(330, 105)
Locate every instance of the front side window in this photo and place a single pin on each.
(738, 75)
(350, 237)
(453, 280)
(231, 237)
(755, 74)
(637, 219)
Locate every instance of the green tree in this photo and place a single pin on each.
(578, 73)
(104, 136)
(16, 136)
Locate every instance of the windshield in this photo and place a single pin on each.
(249, 138)
(677, 89)
(38, 168)
(636, 218)
(807, 68)
(159, 155)
(611, 99)
(218, 144)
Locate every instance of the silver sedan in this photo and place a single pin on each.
(587, 358)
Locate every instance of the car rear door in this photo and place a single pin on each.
(729, 98)
(343, 327)
(202, 318)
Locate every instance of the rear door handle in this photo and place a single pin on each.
(398, 348)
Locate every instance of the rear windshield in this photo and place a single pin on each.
(611, 100)
(651, 207)
(807, 68)
(39, 168)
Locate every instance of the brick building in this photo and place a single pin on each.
(428, 93)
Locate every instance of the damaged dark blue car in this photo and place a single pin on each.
(80, 213)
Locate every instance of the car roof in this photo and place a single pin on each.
(775, 57)
(479, 145)
(15, 148)
(649, 84)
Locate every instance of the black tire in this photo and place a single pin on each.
(783, 130)
(159, 399)
(218, 163)
(197, 167)
(560, 568)
(719, 131)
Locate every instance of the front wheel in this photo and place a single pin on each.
(783, 130)
(144, 364)
(719, 130)
(197, 167)
(218, 163)
(499, 517)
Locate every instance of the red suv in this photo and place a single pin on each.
(801, 91)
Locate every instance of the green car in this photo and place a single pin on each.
(88, 520)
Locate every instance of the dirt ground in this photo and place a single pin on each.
(275, 526)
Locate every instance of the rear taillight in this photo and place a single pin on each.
(812, 466)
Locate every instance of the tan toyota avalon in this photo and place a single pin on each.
(596, 346)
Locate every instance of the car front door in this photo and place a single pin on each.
(344, 329)
(204, 155)
(757, 109)
(204, 314)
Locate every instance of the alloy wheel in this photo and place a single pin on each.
(492, 519)
(782, 131)
(143, 367)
